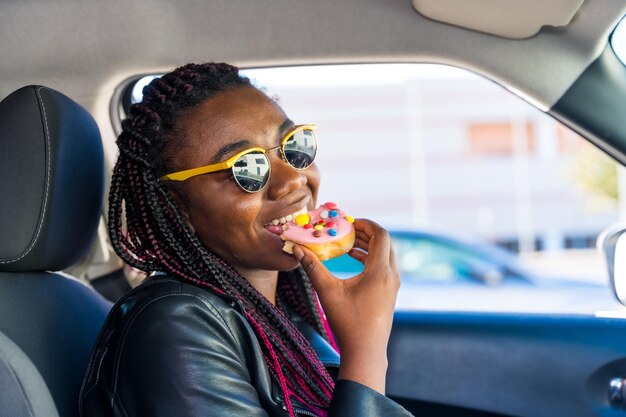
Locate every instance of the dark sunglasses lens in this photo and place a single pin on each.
(251, 171)
(300, 149)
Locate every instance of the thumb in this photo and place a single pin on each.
(315, 269)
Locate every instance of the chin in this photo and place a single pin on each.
(272, 261)
(280, 262)
(288, 263)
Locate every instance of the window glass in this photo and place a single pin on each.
(491, 204)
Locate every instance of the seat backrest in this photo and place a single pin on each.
(23, 393)
(51, 191)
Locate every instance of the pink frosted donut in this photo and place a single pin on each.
(327, 231)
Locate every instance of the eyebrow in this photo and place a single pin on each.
(229, 148)
(286, 125)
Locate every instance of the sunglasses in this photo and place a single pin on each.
(251, 167)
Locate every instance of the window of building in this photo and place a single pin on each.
(580, 242)
(568, 140)
(499, 138)
(513, 244)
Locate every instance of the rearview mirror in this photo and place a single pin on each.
(612, 241)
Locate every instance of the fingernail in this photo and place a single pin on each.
(298, 252)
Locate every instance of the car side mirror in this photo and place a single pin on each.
(612, 241)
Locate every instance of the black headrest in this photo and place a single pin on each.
(51, 180)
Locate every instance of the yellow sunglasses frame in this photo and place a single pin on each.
(221, 166)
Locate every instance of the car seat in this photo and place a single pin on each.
(51, 191)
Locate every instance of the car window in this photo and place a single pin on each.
(511, 201)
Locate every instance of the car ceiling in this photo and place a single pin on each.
(86, 48)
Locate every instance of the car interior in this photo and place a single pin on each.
(67, 72)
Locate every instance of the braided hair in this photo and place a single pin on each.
(149, 232)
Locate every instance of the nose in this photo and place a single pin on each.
(284, 179)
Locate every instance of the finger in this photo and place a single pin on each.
(315, 269)
(361, 235)
(359, 255)
(367, 228)
(361, 244)
(392, 259)
(378, 241)
(379, 250)
(362, 238)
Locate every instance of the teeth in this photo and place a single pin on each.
(289, 217)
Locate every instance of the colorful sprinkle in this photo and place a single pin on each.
(308, 226)
(321, 222)
(330, 205)
(332, 213)
(318, 227)
(317, 233)
(330, 224)
(332, 232)
(302, 219)
(324, 214)
(350, 219)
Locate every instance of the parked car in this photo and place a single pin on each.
(555, 55)
(440, 271)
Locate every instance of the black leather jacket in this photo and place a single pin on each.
(173, 349)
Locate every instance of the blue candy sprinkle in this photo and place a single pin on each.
(332, 232)
(332, 213)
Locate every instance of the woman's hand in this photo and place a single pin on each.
(359, 309)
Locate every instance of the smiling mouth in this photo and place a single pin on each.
(276, 226)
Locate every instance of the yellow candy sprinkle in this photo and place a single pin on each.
(318, 227)
(302, 219)
(350, 219)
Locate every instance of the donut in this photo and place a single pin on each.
(328, 231)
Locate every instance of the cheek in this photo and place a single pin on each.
(313, 181)
(224, 220)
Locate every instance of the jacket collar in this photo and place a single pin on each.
(327, 354)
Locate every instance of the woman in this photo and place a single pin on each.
(229, 324)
